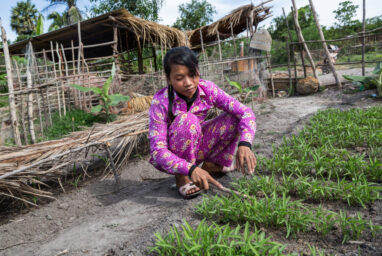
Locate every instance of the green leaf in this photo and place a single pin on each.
(361, 79)
(117, 98)
(378, 68)
(40, 25)
(96, 109)
(107, 84)
(252, 88)
(87, 89)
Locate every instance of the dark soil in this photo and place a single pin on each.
(92, 220)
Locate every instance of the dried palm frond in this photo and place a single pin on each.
(24, 170)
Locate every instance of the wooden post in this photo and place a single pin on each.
(117, 82)
(22, 114)
(76, 103)
(292, 85)
(61, 75)
(46, 88)
(66, 73)
(363, 36)
(155, 58)
(11, 97)
(220, 48)
(338, 81)
(299, 33)
(234, 41)
(140, 57)
(202, 44)
(55, 78)
(30, 103)
(270, 73)
(291, 89)
(299, 45)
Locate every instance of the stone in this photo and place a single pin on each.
(63, 206)
(307, 85)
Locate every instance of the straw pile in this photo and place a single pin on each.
(22, 169)
(238, 18)
(150, 31)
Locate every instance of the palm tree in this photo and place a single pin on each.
(24, 17)
(58, 21)
(71, 15)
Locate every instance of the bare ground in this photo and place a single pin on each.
(92, 220)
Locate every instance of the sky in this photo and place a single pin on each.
(169, 11)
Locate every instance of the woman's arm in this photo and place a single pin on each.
(161, 157)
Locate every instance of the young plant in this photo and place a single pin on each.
(247, 91)
(108, 100)
(215, 240)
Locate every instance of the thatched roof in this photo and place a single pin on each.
(238, 18)
(100, 30)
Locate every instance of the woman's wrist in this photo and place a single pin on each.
(192, 169)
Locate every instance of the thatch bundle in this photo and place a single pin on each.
(22, 169)
(150, 31)
(238, 19)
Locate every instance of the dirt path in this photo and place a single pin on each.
(91, 220)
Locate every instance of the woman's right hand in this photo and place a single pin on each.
(201, 178)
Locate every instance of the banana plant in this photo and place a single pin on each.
(244, 93)
(366, 81)
(108, 100)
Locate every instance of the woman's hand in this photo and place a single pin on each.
(201, 178)
(245, 155)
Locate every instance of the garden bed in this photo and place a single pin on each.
(92, 220)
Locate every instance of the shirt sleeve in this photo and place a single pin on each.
(161, 157)
(225, 102)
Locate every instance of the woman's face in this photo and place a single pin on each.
(182, 81)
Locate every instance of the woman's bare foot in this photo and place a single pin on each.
(182, 180)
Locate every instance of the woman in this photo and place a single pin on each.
(181, 139)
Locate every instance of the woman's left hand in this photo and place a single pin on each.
(245, 155)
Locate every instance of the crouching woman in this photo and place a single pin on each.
(180, 137)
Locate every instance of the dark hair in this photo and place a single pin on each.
(178, 56)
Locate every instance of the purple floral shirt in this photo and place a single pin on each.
(210, 95)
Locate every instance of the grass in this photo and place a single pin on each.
(215, 240)
(336, 157)
(4, 101)
(74, 120)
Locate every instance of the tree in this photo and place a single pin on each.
(58, 21)
(193, 15)
(24, 18)
(344, 14)
(145, 9)
(71, 15)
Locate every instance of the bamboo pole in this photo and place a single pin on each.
(299, 33)
(61, 74)
(11, 98)
(338, 81)
(80, 94)
(55, 78)
(155, 59)
(46, 89)
(22, 114)
(84, 63)
(363, 35)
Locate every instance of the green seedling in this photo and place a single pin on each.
(215, 240)
(108, 100)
